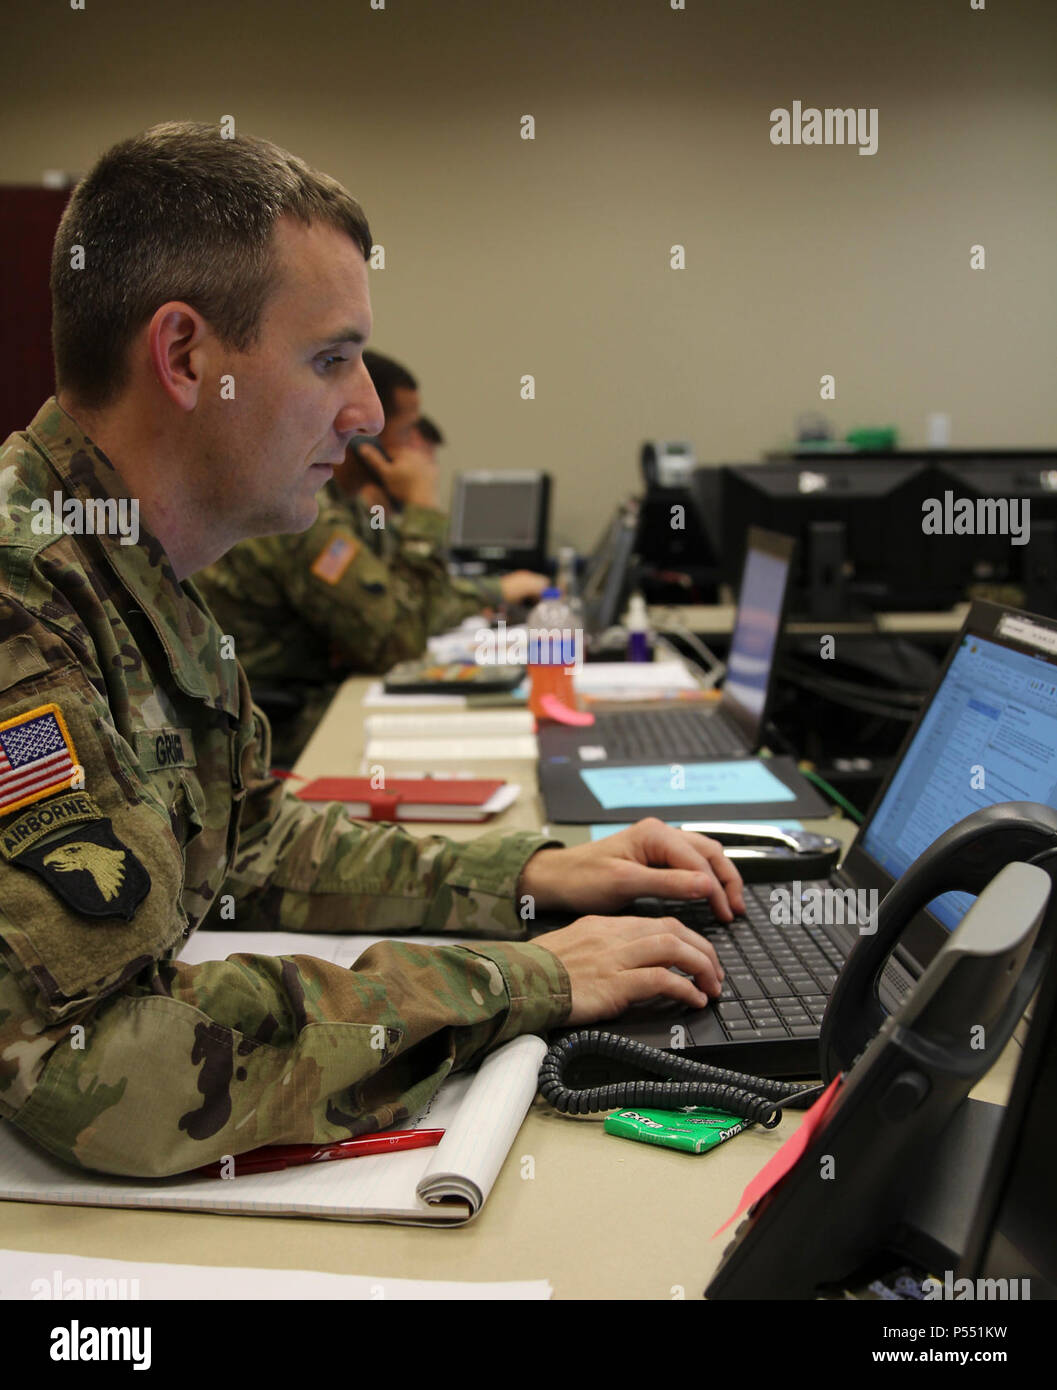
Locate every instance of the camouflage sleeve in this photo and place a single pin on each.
(189, 1063)
(462, 599)
(373, 612)
(488, 590)
(299, 869)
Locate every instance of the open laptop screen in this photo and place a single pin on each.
(761, 603)
(989, 735)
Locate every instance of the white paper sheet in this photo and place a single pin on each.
(38, 1276)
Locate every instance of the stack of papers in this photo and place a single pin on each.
(634, 680)
(446, 739)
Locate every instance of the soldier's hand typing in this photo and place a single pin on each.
(613, 962)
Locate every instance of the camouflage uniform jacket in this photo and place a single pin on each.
(342, 596)
(383, 532)
(134, 805)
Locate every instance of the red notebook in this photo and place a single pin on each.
(414, 798)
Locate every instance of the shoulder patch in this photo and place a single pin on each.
(25, 830)
(37, 757)
(335, 557)
(91, 870)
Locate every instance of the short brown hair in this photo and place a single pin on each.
(179, 212)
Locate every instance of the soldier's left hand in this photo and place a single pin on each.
(649, 859)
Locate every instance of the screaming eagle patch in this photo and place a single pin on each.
(90, 869)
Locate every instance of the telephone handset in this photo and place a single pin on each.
(964, 859)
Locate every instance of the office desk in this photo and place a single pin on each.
(597, 1216)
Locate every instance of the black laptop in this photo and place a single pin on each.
(987, 734)
(591, 775)
(735, 726)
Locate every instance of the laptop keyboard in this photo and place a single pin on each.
(664, 734)
(778, 978)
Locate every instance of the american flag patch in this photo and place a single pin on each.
(37, 757)
(335, 558)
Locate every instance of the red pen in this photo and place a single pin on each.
(273, 1157)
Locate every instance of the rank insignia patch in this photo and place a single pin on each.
(91, 870)
(335, 558)
(37, 757)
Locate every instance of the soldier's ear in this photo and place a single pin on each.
(176, 338)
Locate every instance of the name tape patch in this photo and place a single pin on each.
(159, 748)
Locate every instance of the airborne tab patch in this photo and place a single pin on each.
(58, 814)
(335, 557)
(90, 869)
(37, 757)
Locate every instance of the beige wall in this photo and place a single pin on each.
(551, 257)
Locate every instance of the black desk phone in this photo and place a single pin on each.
(909, 1146)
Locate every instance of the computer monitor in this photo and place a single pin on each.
(1013, 520)
(499, 520)
(858, 525)
(610, 572)
(749, 685)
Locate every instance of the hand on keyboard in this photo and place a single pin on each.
(699, 916)
(648, 857)
(614, 962)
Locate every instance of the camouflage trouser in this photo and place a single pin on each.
(190, 1063)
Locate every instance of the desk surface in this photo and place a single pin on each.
(717, 620)
(597, 1216)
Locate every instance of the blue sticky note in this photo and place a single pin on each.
(744, 782)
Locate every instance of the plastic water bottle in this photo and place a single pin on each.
(568, 584)
(552, 647)
(638, 630)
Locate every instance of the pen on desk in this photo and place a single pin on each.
(274, 1157)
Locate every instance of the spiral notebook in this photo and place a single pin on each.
(480, 1113)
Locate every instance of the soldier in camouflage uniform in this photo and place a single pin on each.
(134, 801)
(306, 610)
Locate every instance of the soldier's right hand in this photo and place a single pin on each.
(613, 962)
(411, 475)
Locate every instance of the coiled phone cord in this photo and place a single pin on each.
(755, 1098)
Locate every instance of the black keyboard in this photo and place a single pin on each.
(661, 734)
(778, 978)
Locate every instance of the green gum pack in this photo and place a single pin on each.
(694, 1130)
